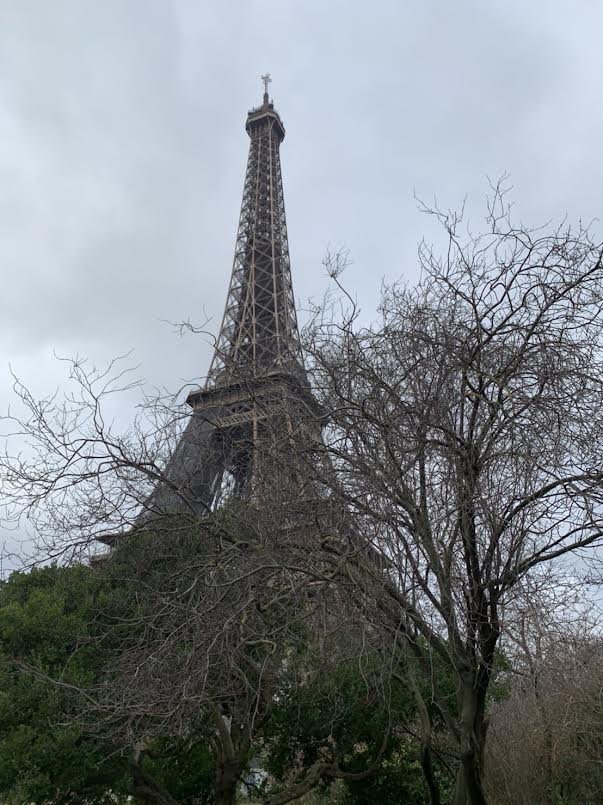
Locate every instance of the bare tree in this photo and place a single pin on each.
(462, 454)
(544, 738)
(217, 606)
(72, 476)
(221, 612)
(465, 428)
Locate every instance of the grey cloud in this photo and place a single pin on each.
(122, 150)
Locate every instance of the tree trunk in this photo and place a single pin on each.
(426, 739)
(146, 791)
(460, 789)
(469, 788)
(428, 773)
(227, 778)
(472, 774)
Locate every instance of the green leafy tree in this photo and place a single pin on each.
(45, 755)
(370, 724)
(57, 636)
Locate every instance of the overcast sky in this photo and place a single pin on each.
(122, 150)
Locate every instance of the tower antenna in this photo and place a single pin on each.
(267, 79)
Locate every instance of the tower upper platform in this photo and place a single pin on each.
(265, 115)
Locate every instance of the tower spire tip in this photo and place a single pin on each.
(267, 79)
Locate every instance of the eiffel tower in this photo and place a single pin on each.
(256, 409)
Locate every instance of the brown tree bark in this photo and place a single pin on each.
(472, 733)
(146, 791)
(228, 774)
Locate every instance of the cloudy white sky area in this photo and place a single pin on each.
(122, 151)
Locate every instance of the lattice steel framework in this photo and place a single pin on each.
(255, 411)
(259, 329)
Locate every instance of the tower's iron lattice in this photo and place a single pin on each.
(255, 409)
(259, 328)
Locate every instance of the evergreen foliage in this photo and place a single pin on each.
(46, 618)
